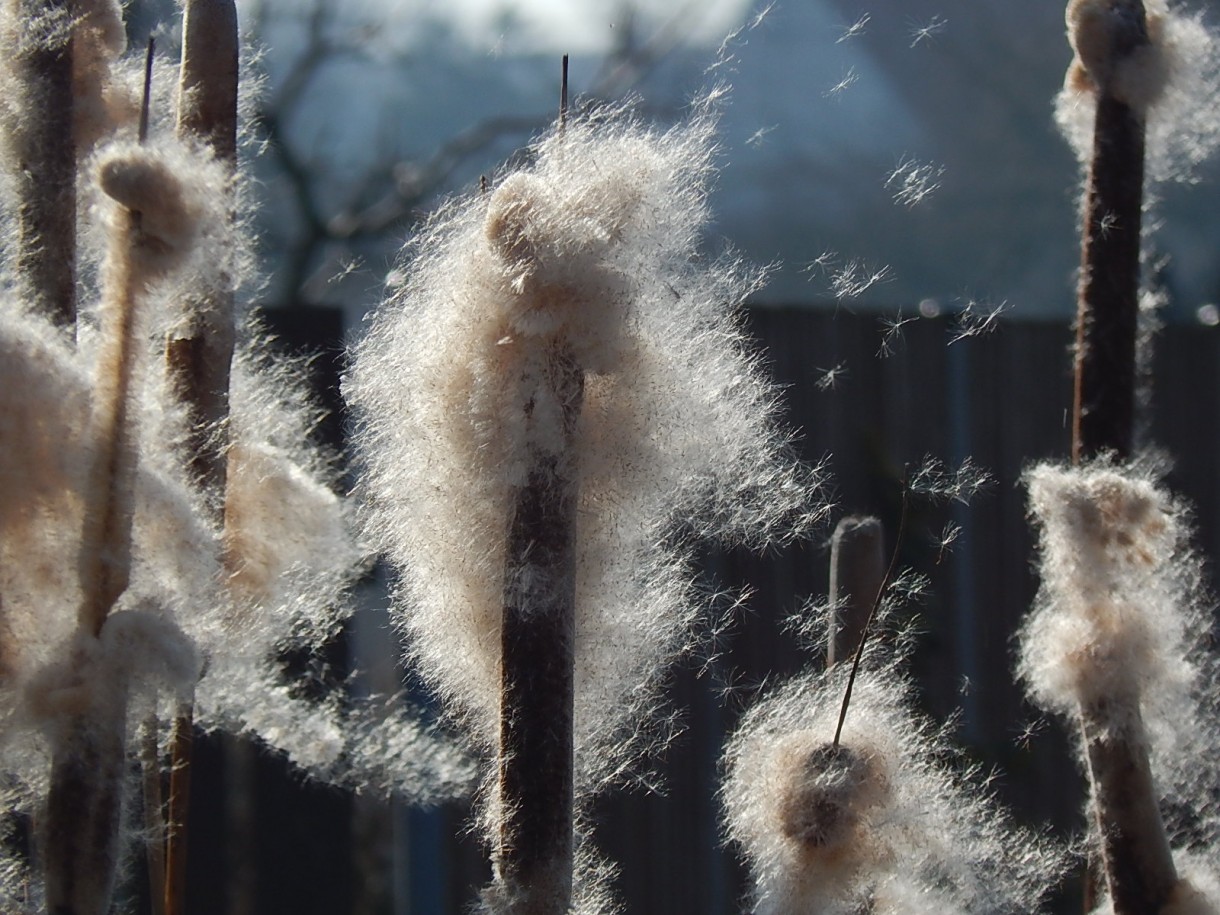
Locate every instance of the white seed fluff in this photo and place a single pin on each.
(1174, 82)
(1122, 612)
(593, 246)
(885, 822)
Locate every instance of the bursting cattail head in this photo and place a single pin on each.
(889, 819)
(1118, 50)
(1122, 620)
(169, 188)
(1107, 622)
(1168, 72)
(591, 248)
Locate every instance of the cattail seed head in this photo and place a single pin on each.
(1105, 624)
(144, 181)
(1117, 49)
(884, 820)
(589, 251)
(1161, 61)
(828, 789)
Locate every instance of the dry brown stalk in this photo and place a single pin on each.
(154, 815)
(200, 362)
(1103, 415)
(1139, 866)
(46, 162)
(534, 850)
(84, 809)
(105, 558)
(181, 743)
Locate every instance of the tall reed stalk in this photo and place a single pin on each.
(85, 799)
(45, 154)
(200, 363)
(1134, 848)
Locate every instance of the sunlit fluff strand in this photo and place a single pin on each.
(594, 245)
(883, 821)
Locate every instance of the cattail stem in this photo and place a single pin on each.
(1135, 850)
(154, 815)
(207, 102)
(857, 571)
(200, 363)
(45, 255)
(84, 803)
(534, 851)
(1103, 414)
(105, 558)
(85, 796)
(181, 744)
(81, 831)
(1139, 866)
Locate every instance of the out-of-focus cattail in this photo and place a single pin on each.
(42, 154)
(201, 360)
(153, 225)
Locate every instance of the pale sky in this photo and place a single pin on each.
(541, 26)
(586, 26)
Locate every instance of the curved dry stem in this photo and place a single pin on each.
(105, 556)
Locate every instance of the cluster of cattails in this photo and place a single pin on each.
(1118, 643)
(166, 525)
(555, 406)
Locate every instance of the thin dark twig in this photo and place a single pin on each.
(563, 95)
(146, 102)
(872, 613)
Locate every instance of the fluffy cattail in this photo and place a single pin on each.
(883, 821)
(1119, 638)
(593, 244)
(553, 406)
(1171, 80)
